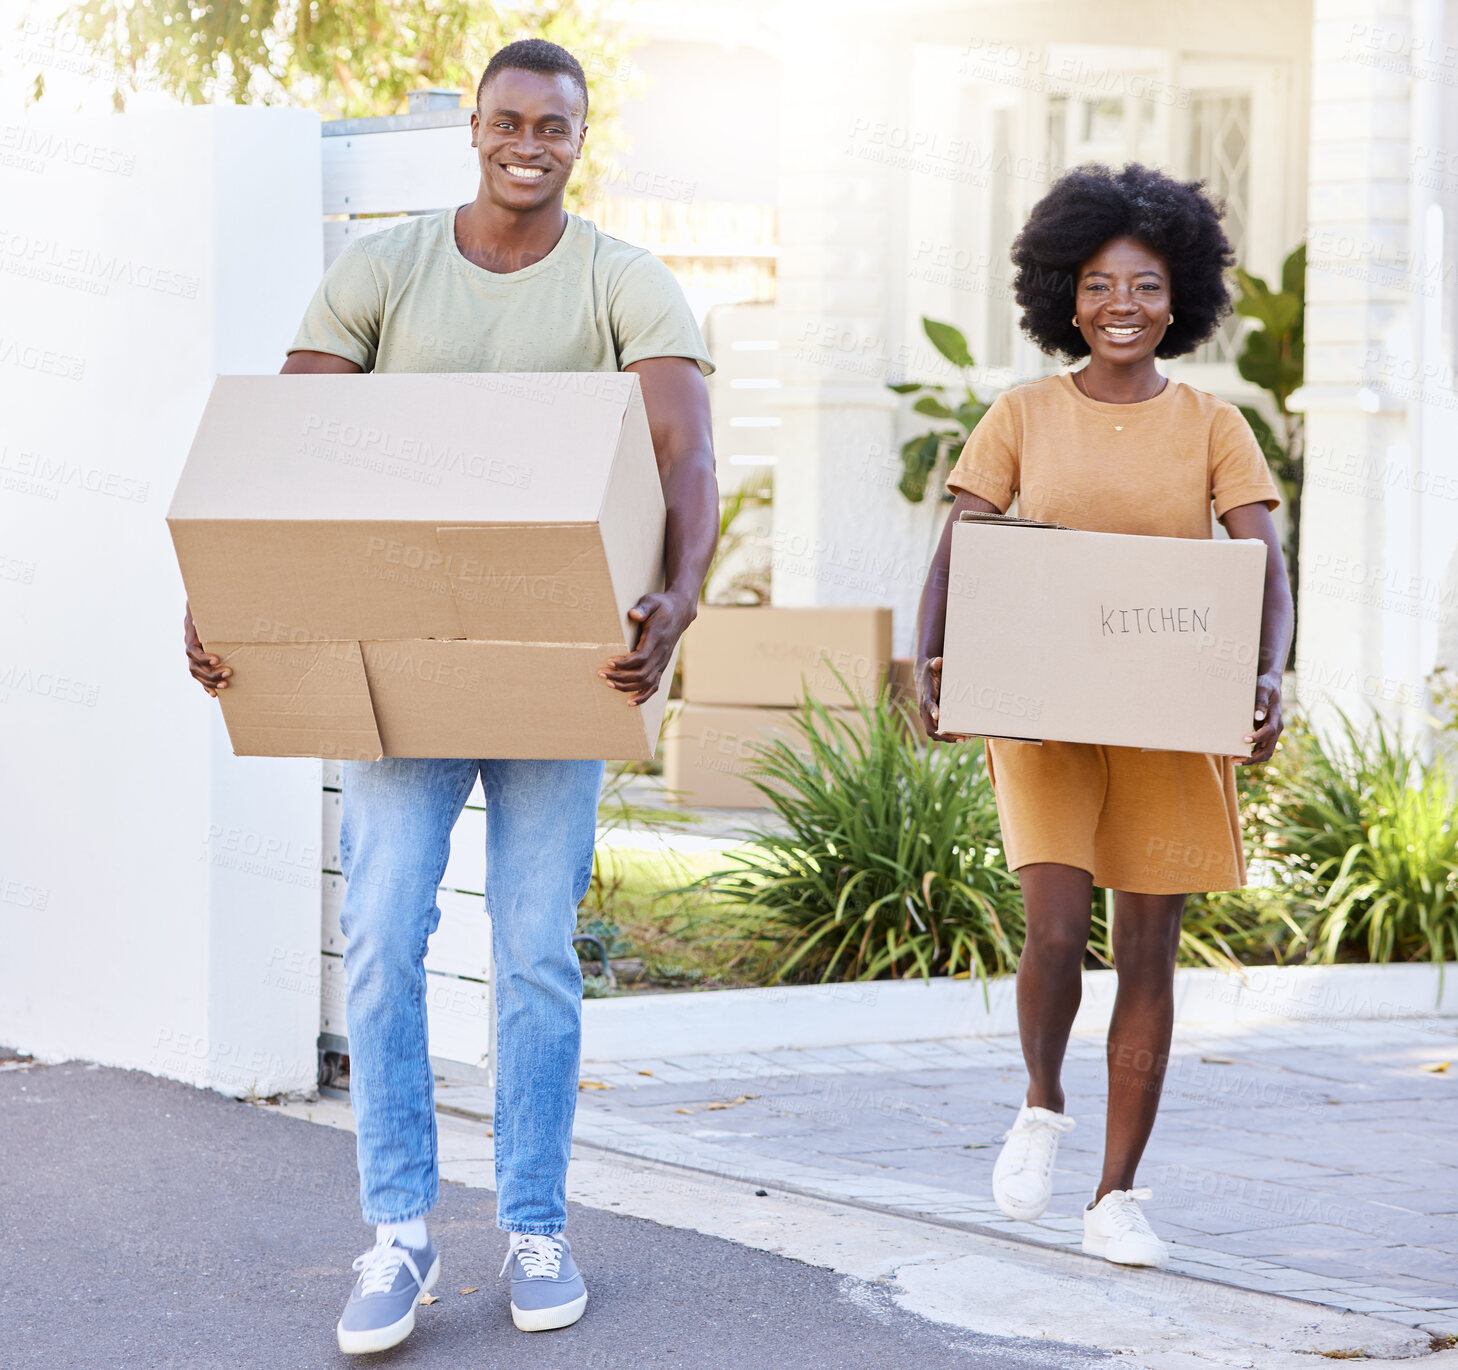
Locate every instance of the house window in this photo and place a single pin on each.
(1219, 155)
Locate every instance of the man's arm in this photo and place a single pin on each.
(207, 669)
(677, 403)
(318, 364)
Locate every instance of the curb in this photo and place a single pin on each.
(792, 1017)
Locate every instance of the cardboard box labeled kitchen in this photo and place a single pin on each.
(774, 656)
(423, 565)
(1059, 635)
(709, 750)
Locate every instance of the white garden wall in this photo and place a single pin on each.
(159, 897)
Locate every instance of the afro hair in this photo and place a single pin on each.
(1088, 206)
(535, 54)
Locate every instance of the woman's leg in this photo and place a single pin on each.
(1146, 940)
(1058, 906)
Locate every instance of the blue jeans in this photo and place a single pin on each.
(541, 821)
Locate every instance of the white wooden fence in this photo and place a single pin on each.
(387, 169)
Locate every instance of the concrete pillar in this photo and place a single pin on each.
(1361, 599)
(842, 533)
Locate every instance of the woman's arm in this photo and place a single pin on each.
(931, 619)
(1254, 521)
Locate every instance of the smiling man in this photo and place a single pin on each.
(509, 282)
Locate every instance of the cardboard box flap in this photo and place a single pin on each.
(497, 448)
(1006, 520)
(262, 580)
(299, 699)
(518, 699)
(483, 573)
(632, 505)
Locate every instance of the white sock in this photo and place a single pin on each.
(412, 1234)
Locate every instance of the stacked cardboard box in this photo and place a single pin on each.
(744, 670)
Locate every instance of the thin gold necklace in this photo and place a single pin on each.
(1079, 385)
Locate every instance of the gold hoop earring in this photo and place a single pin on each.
(1171, 319)
(1075, 321)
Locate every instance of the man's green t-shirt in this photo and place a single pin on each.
(407, 300)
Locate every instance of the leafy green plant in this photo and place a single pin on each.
(1273, 356)
(929, 452)
(888, 863)
(616, 809)
(1364, 840)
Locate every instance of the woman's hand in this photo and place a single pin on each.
(929, 692)
(929, 699)
(1268, 722)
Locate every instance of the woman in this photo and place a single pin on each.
(1120, 268)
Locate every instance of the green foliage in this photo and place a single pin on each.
(616, 808)
(345, 58)
(922, 455)
(1274, 355)
(889, 864)
(1363, 837)
(750, 584)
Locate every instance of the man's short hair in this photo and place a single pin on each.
(535, 54)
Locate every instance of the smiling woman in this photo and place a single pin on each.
(1096, 208)
(1121, 267)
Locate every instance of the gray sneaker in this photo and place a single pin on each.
(381, 1308)
(546, 1287)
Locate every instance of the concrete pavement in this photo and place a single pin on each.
(148, 1224)
(1311, 1160)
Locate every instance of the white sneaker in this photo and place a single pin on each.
(1022, 1179)
(1116, 1229)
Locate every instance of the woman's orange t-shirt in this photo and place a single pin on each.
(1148, 822)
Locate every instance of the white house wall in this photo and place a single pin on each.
(159, 898)
(1379, 594)
(888, 176)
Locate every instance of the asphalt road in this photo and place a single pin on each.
(148, 1224)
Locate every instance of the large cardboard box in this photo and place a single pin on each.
(774, 656)
(708, 750)
(901, 682)
(1058, 635)
(423, 565)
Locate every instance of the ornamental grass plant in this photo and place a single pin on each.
(1362, 837)
(886, 860)
(889, 863)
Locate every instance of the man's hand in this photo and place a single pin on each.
(662, 618)
(1267, 720)
(206, 669)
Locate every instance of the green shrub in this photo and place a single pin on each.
(890, 863)
(1363, 837)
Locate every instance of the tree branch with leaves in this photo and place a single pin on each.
(345, 58)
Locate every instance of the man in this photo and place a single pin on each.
(509, 282)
